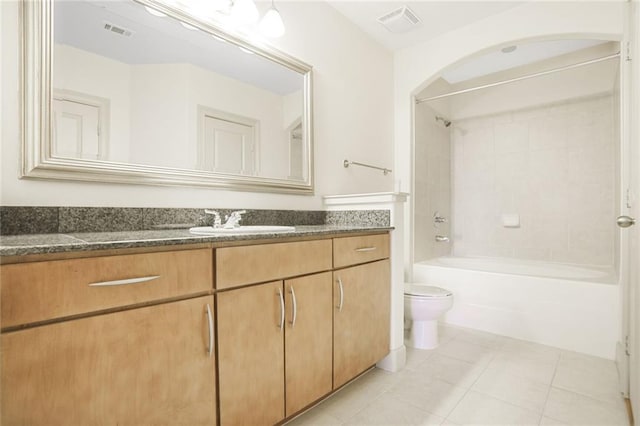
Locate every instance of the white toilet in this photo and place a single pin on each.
(423, 305)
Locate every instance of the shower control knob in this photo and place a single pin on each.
(625, 221)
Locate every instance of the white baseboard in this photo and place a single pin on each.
(395, 361)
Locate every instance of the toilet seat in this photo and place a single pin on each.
(426, 292)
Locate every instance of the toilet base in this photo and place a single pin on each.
(424, 334)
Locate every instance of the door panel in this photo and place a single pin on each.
(77, 132)
(228, 146)
(633, 293)
(251, 355)
(361, 326)
(308, 342)
(143, 366)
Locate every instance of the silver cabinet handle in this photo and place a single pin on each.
(125, 282)
(210, 322)
(366, 249)
(281, 309)
(295, 307)
(341, 295)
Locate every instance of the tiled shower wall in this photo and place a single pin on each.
(432, 169)
(554, 166)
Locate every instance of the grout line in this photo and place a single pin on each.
(495, 352)
(422, 409)
(546, 400)
(491, 353)
(604, 401)
(472, 384)
(367, 405)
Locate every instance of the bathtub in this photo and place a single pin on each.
(571, 307)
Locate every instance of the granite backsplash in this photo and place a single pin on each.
(63, 220)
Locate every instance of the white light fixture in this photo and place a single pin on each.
(244, 12)
(271, 24)
(154, 12)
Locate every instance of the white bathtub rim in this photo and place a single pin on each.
(607, 274)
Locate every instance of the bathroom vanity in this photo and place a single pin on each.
(223, 330)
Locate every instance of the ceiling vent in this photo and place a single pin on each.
(400, 20)
(117, 30)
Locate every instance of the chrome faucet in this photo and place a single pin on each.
(233, 220)
(217, 222)
(442, 239)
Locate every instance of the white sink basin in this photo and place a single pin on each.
(210, 230)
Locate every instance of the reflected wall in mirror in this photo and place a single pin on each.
(131, 96)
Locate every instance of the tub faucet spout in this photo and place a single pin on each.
(439, 219)
(442, 239)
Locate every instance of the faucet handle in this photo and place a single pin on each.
(232, 220)
(217, 222)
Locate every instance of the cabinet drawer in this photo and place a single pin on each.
(353, 250)
(260, 263)
(41, 291)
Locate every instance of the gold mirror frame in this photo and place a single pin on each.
(36, 114)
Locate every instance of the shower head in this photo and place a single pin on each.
(446, 122)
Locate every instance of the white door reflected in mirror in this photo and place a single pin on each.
(141, 82)
(228, 147)
(80, 126)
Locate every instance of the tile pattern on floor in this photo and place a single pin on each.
(478, 378)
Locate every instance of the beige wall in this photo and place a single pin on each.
(518, 149)
(563, 85)
(353, 112)
(418, 66)
(147, 129)
(95, 75)
(432, 186)
(552, 165)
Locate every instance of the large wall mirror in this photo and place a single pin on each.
(146, 92)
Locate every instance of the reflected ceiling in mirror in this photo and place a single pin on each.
(136, 97)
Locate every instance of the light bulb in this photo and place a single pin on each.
(244, 12)
(271, 24)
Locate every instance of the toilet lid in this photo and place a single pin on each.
(426, 291)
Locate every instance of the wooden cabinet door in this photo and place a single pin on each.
(360, 319)
(251, 355)
(308, 340)
(144, 366)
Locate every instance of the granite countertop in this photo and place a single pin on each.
(21, 245)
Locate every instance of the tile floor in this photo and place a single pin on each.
(477, 378)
